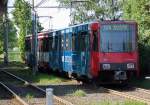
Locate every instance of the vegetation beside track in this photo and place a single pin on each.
(141, 82)
(21, 70)
(79, 93)
(127, 102)
(39, 78)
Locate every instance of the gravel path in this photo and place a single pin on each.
(93, 95)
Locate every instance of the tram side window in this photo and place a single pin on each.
(40, 42)
(74, 39)
(55, 47)
(59, 42)
(62, 42)
(45, 44)
(82, 41)
(95, 41)
(50, 43)
(58, 33)
(67, 43)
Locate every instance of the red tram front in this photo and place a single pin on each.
(114, 54)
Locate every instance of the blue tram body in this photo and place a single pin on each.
(70, 53)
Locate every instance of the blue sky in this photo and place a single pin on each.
(60, 16)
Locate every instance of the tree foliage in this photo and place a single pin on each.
(22, 19)
(140, 12)
(12, 35)
(93, 9)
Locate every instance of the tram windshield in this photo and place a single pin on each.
(117, 38)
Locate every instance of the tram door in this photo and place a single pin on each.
(80, 48)
(66, 57)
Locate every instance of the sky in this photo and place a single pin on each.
(60, 17)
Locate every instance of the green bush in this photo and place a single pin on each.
(79, 93)
(129, 102)
(144, 52)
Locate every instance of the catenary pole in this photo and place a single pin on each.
(34, 39)
(3, 7)
(5, 21)
(113, 11)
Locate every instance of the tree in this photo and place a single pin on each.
(93, 9)
(22, 19)
(140, 12)
(12, 35)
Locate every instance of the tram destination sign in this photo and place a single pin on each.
(115, 27)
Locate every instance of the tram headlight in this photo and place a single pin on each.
(106, 66)
(130, 66)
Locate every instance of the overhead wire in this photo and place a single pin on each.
(40, 3)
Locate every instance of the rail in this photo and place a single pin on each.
(38, 88)
(147, 101)
(14, 94)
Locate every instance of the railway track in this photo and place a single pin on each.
(28, 87)
(17, 97)
(133, 93)
(6, 98)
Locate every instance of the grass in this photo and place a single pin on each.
(39, 78)
(79, 93)
(104, 102)
(22, 71)
(45, 79)
(29, 97)
(48, 79)
(127, 102)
